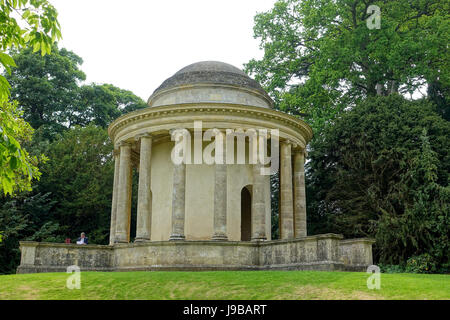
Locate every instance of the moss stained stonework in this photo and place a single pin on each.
(322, 252)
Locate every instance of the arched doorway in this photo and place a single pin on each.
(246, 214)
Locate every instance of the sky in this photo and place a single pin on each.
(137, 44)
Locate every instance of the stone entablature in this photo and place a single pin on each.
(160, 120)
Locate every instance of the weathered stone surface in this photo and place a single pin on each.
(112, 231)
(53, 257)
(258, 205)
(220, 200)
(356, 252)
(286, 200)
(299, 195)
(144, 210)
(210, 81)
(123, 215)
(178, 202)
(320, 252)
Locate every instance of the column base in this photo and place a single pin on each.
(219, 237)
(301, 236)
(177, 237)
(259, 239)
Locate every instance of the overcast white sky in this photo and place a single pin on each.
(137, 44)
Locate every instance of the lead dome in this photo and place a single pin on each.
(210, 82)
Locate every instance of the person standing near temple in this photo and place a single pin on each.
(82, 239)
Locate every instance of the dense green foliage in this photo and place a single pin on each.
(321, 57)
(378, 167)
(17, 166)
(382, 170)
(47, 87)
(24, 217)
(49, 92)
(78, 177)
(23, 23)
(69, 121)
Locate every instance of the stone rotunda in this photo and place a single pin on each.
(198, 215)
(202, 201)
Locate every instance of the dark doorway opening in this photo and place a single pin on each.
(246, 214)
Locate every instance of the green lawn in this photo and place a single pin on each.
(225, 285)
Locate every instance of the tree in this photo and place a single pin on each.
(321, 57)
(104, 103)
(79, 176)
(24, 217)
(374, 173)
(423, 226)
(17, 167)
(76, 180)
(50, 93)
(73, 195)
(36, 26)
(46, 87)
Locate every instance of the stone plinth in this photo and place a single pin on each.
(320, 252)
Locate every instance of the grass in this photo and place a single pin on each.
(249, 285)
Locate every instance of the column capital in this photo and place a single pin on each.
(142, 135)
(299, 149)
(124, 143)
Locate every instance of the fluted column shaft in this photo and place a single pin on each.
(286, 201)
(178, 202)
(123, 215)
(144, 208)
(112, 230)
(220, 200)
(299, 195)
(258, 205)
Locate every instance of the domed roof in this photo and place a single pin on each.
(212, 73)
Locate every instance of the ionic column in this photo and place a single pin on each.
(299, 194)
(178, 202)
(112, 230)
(123, 214)
(220, 200)
(258, 205)
(144, 207)
(286, 201)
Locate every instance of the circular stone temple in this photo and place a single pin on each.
(197, 200)
(204, 151)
